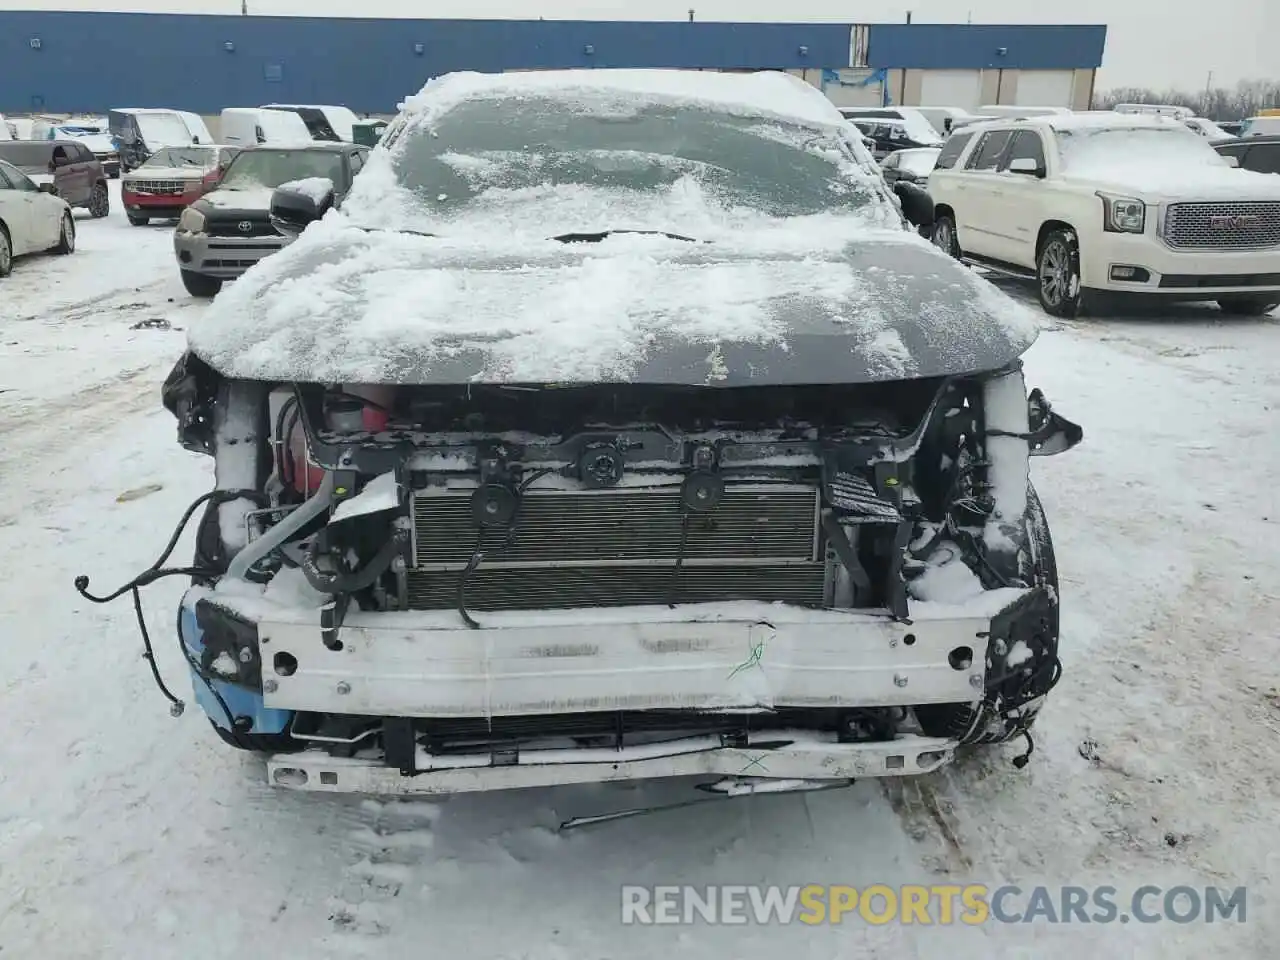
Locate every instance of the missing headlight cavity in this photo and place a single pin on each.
(961, 658)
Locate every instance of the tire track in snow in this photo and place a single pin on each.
(388, 839)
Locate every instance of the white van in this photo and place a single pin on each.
(326, 122)
(199, 131)
(246, 126)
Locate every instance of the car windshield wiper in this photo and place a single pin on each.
(596, 237)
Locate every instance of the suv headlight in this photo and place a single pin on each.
(192, 221)
(1123, 214)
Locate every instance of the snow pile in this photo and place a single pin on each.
(946, 579)
(315, 189)
(752, 94)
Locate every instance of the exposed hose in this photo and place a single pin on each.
(294, 521)
(326, 581)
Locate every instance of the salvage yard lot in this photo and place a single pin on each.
(125, 833)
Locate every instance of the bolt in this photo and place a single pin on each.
(175, 709)
(899, 680)
(246, 655)
(269, 686)
(975, 681)
(343, 688)
(893, 641)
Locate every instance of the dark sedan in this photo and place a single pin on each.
(228, 230)
(1260, 154)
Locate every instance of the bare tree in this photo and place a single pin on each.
(1216, 103)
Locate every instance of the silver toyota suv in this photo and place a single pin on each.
(228, 230)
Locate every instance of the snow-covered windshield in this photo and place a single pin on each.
(1093, 148)
(265, 167)
(919, 162)
(493, 150)
(162, 128)
(199, 158)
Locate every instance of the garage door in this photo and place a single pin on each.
(951, 88)
(1044, 88)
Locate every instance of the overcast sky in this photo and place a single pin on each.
(1155, 43)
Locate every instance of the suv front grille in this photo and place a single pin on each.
(160, 188)
(232, 228)
(1253, 225)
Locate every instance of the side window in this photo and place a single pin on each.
(1026, 145)
(1263, 158)
(1237, 150)
(952, 149)
(18, 180)
(5, 184)
(357, 162)
(83, 154)
(890, 162)
(989, 149)
(59, 155)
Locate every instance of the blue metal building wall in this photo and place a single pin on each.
(92, 61)
(927, 46)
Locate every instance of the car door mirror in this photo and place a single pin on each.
(917, 204)
(296, 205)
(1026, 166)
(48, 188)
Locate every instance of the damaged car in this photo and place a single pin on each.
(618, 426)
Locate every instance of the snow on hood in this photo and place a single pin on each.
(754, 94)
(799, 302)
(1180, 181)
(39, 179)
(1154, 159)
(232, 198)
(163, 173)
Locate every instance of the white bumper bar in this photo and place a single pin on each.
(806, 757)
(693, 657)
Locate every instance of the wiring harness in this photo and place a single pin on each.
(158, 571)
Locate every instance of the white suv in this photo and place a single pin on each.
(1094, 203)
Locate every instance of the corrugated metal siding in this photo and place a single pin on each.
(99, 60)
(93, 61)
(927, 46)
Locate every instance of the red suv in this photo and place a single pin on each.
(171, 178)
(72, 169)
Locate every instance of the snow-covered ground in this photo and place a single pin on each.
(124, 833)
